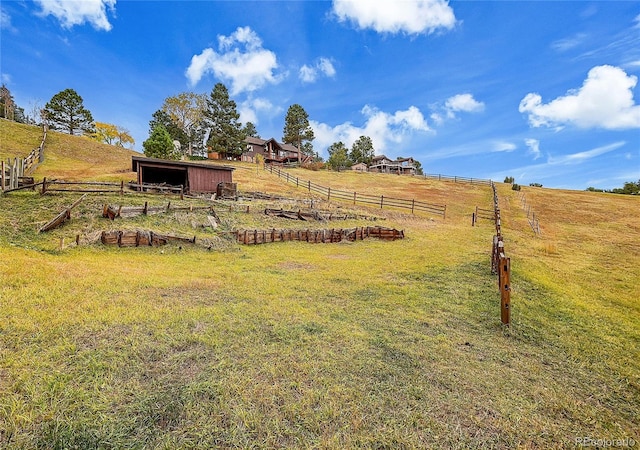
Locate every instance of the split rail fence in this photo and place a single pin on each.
(363, 199)
(96, 187)
(12, 172)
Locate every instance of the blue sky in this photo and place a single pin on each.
(543, 91)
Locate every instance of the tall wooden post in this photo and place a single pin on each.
(505, 289)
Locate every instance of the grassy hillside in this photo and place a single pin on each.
(67, 157)
(17, 140)
(368, 344)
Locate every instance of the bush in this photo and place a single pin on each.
(315, 166)
(515, 187)
(509, 180)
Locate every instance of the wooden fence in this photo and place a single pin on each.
(501, 264)
(362, 199)
(97, 187)
(457, 179)
(138, 238)
(12, 172)
(254, 237)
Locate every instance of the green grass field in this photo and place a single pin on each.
(369, 344)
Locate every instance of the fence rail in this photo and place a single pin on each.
(456, 179)
(97, 187)
(363, 199)
(12, 171)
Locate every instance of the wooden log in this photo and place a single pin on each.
(110, 237)
(128, 239)
(144, 238)
(62, 217)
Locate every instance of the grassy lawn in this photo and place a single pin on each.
(354, 345)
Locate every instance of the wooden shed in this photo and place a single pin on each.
(193, 176)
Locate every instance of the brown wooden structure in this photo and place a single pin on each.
(195, 177)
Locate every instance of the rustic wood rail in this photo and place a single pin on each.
(357, 198)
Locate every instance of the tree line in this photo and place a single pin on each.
(190, 125)
(194, 125)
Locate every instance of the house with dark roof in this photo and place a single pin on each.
(272, 151)
(400, 166)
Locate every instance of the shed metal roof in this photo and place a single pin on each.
(136, 160)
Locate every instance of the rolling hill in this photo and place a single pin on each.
(354, 345)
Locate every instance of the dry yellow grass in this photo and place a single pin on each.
(355, 345)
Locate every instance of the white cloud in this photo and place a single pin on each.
(5, 78)
(580, 157)
(408, 16)
(557, 166)
(77, 12)
(605, 100)
(534, 147)
(324, 66)
(565, 44)
(250, 109)
(242, 61)
(503, 146)
(5, 20)
(383, 128)
(462, 103)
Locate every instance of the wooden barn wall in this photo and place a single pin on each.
(206, 180)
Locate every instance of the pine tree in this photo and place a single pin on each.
(250, 130)
(65, 111)
(338, 156)
(362, 150)
(297, 130)
(160, 145)
(226, 136)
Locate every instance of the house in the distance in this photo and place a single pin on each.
(359, 167)
(272, 151)
(400, 166)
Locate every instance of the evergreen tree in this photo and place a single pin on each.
(362, 150)
(338, 156)
(160, 117)
(226, 135)
(297, 130)
(250, 130)
(160, 145)
(418, 167)
(7, 104)
(66, 111)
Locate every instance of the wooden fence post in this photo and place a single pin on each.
(2, 176)
(329, 194)
(381, 201)
(505, 289)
